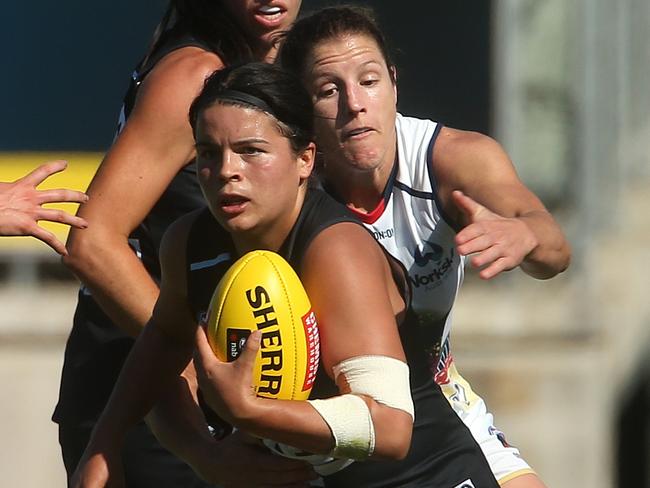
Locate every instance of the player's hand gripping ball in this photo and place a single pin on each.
(262, 291)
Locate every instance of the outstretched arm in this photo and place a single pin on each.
(350, 286)
(21, 206)
(504, 224)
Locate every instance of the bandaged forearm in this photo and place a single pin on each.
(348, 417)
(385, 380)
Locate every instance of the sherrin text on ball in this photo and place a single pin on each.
(262, 291)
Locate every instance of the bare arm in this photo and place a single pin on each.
(236, 460)
(352, 293)
(505, 225)
(178, 422)
(159, 355)
(155, 144)
(21, 206)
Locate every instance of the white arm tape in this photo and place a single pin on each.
(384, 379)
(348, 417)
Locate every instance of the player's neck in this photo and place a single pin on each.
(361, 190)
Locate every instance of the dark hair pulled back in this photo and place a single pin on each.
(325, 24)
(281, 92)
(208, 21)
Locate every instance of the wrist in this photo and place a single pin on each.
(247, 418)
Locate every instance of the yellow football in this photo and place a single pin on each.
(262, 291)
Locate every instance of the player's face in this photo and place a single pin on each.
(355, 103)
(249, 173)
(264, 19)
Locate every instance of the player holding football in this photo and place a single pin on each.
(254, 139)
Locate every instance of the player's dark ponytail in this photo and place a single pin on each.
(206, 20)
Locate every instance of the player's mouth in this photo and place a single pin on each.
(232, 204)
(358, 133)
(270, 15)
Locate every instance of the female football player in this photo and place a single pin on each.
(375, 401)
(145, 182)
(431, 195)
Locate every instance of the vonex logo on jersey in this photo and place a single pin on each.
(432, 278)
(430, 252)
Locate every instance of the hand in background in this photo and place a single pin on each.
(21, 206)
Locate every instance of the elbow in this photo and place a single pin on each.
(562, 259)
(77, 255)
(566, 258)
(81, 254)
(399, 448)
(393, 437)
(561, 264)
(394, 449)
(549, 267)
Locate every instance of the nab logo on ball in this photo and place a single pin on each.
(262, 292)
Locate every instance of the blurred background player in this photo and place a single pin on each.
(21, 206)
(146, 180)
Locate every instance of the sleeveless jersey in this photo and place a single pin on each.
(410, 224)
(443, 452)
(96, 347)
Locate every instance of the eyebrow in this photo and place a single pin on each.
(328, 74)
(251, 139)
(248, 140)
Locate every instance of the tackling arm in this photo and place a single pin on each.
(504, 224)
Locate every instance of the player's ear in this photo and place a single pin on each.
(306, 160)
(393, 79)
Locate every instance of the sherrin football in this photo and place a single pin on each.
(262, 291)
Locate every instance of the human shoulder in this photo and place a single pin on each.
(462, 147)
(463, 159)
(344, 250)
(159, 121)
(341, 243)
(348, 280)
(182, 71)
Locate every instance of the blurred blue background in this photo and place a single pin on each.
(67, 65)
